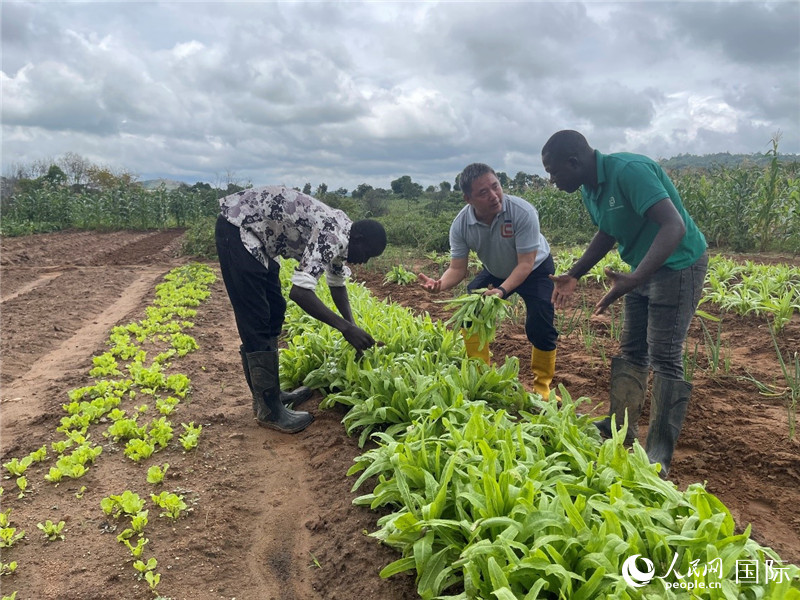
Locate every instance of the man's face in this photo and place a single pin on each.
(486, 197)
(357, 254)
(564, 174)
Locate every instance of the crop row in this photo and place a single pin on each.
(130, 379)
(743, 288)
(489, 492)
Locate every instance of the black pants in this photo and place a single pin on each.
(254, 290)
(537, 293)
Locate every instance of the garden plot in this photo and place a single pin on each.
(272, 515)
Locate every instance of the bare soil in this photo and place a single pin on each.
(272, 515)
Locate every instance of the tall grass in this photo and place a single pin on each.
(53, 207)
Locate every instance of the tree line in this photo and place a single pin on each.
(749, 206)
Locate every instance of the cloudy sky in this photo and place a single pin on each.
(347, 93)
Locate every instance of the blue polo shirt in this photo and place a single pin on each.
(627, 186)
(514, 230)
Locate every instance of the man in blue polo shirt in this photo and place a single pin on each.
(635, 205)
(504, 231)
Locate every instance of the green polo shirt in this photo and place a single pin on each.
(627, 186)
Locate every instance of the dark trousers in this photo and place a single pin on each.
(657, 318)
(254, 290)
(537, 293)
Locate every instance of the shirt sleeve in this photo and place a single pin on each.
(309, 282)
(458, 244)
(304, 280)
(335, 280)
(641, 185)
(528, 233)
(324, 254)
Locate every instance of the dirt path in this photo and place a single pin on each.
(272, 515)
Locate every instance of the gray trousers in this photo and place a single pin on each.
(657, 318)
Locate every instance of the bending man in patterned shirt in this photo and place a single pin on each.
(254, 228)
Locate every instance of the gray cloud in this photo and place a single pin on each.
(350, 93)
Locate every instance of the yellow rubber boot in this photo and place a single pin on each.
(472, 343)
(543, 365)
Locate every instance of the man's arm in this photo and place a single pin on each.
(310, 303)
(342, 302)
(520, 273)
(601, 244)
(565, 285)
(454, 274)
(671, 230)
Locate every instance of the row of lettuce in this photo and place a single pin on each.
(131, 381)
(489, 492)
(742, 287)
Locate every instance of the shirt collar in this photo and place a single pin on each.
(601, 167)
(601, 176)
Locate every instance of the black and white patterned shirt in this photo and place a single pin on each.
(279, 221)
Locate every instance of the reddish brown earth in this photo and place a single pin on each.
(271, 514)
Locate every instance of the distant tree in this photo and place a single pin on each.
(376, 202)
(403, 186)
(538, 182)
(361, 190)
(503, 179)
(55, 176)
(76, 167)
(445, 187)
(521, 181)
(322, 189)
(307, 189)
(103, 178)
(341, 192)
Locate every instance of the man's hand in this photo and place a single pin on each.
(358, 338)
(564, 288)
(432, 285)
(493, 291)
(621, 284)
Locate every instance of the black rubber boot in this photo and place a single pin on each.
(294, 398)
(628, 390)
(269, 410)
(667, 413)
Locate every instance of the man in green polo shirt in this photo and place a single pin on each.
(635, 205)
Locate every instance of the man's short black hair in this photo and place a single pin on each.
(471, 173)
(564, 144)
(371, 236)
